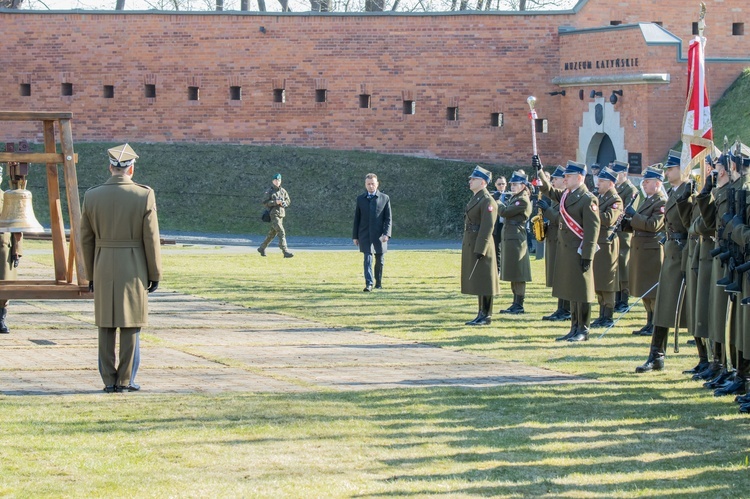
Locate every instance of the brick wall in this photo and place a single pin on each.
(481, 64)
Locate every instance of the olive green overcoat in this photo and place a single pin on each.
(552, 214)
(646, 254)
(121, 252)
(479, 277)
(570, 282)
(606, 277)
(514, 255)
(626, 190)
(676, 220)
(741, 236)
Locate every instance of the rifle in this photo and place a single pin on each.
(616, 226)
(725, 256)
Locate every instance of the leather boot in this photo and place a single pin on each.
(713, 369)
(479, 313)
(571, 333)
(565, 315)
(702, 358)
(582, 334)
(622, 306)
(618, 299)
(3, 326)
(517, 306)
(648, 329)
(598, 320)
(554, 316)
(655, 362)
(736, 385)
(718, 380)
(583, 315)
(607, 317)
(486, 312)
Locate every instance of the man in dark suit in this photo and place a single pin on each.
(372, 229)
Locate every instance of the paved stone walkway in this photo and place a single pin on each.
(194, 345)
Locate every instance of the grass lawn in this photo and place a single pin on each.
(652, 435)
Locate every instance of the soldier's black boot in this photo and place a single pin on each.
(571, 333)
(485, 318)
(479, 313)
(702, 358)
(3, 327)
(719, 379)
(618, 299)
(655, 361)
(516, 307)
(623, 306)
(735, 385)
(598, 320)
(584, 319)
(648, 329)
(565, 315)
(607, 317)
(554, 316)
(714, 367)
(519, 303)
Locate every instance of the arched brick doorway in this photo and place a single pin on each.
(601, 139)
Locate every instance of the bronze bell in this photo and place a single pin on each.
(18, 214)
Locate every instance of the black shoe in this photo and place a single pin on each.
(564, 316)
(620, 307)
(690, 342)
(638, 332)
(128, 388)
(571, 333)
(701, 366)
(735, 387)
(553, 316)
(485, 320)
(514, 309)
(648, 331)
(287, 254)
(580, 336)
(742, 399)
(607, 322)
(655, 363)
(262, 251)
(110, 389)
(708, 373)
(597, 322)
(745, 408)
(368, 288)
(717, 381)
(378, 285)
(474, 320)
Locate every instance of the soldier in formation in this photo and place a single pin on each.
(515, 266)
(577, 234)
(628, 192)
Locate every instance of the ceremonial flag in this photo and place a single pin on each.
(697, 133)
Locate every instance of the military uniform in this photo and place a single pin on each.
(552, 215)
(277, 212)
(122, 256)
(646, 253)
(628, 193)
(478, 266)
(578, 231)
(674, 267)
(8, 268)
(515, 266)
(606, 278)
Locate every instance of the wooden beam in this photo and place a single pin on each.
(34, 157)
(74, 203)
(34, 116)
(45, 292)
(55, 208)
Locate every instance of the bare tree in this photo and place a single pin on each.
(11, 4)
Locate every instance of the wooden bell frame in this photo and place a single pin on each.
(66, 259)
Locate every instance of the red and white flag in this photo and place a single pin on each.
(697, 133)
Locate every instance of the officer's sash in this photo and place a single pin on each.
(571, 223)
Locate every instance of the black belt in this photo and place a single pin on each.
(471, 227)
(643, 233)
(676, 236)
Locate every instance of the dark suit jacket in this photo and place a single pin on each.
(372, 219)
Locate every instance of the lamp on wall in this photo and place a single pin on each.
(558, 92)
(613, 97)
(594, 94)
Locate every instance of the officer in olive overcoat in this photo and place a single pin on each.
(478, 265)
(577, 233)
(629, 195)
(606, 279)
(515, 266)
(646, 252)
(677, 210)
(122, 256)
(551, 211)
(741, 237)
(698, 276)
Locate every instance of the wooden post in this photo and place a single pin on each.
(74, 204)
(55, 211)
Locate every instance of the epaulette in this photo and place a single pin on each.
(590, 195)
(93, 187)
(141, 185)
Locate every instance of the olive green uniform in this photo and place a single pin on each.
(570, 281)
(515, 265)
(646, 253)
(479, 277)
(122, 253)
(277, 213)
(626, 190)
(606, 278)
